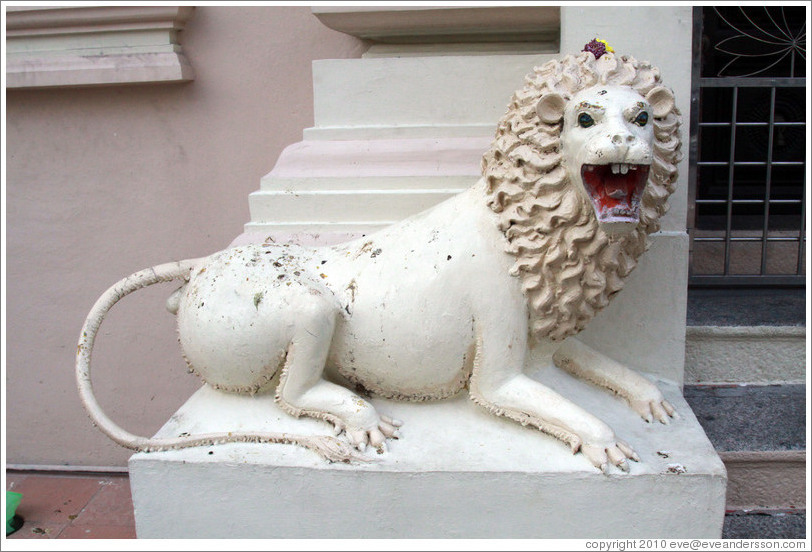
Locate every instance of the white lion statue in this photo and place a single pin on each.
(450, 299)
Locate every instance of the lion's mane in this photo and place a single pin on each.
(569, 267)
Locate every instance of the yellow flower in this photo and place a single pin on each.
(608, 48)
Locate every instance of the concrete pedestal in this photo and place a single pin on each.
(457, 472)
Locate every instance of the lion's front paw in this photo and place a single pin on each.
(375, 436)
(616, 452)
(653, 406)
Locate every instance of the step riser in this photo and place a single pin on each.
(367, 207)
(765, 479)
(755, 355)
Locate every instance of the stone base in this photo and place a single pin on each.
(456, 472)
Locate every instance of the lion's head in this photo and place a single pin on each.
(580, 172)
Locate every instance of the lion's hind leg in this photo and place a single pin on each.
(303, 391)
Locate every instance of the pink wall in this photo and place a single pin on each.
(102, 182)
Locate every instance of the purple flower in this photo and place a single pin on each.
(597, 47)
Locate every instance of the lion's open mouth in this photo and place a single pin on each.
(615, 190)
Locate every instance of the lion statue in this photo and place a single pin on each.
(452, 298)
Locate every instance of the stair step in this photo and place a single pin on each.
(751, 417)
(765, 524)
(381, 207)
(746, 335)
(746, 307)
(760, 434)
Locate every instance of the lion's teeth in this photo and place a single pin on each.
(615, 168)
(624, 168)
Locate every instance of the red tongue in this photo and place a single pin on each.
(617, 188)
(614, 194)
(610, 189)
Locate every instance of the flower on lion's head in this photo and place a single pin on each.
(598, 47)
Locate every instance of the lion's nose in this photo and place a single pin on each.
(622, 138)
(622, 142)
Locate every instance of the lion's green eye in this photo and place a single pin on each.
(641, 119)
(585, 120)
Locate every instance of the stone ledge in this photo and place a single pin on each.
(45, 20)
(425, 24)
(95, 45)
(75, 70)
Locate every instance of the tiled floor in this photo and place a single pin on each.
(55, 506)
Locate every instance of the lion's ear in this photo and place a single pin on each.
(661, 100)
(551, 107)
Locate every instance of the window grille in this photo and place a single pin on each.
(748, 147)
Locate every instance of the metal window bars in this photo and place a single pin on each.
(747, 165)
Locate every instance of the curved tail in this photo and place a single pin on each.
(329, 447)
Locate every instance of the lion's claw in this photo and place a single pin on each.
(359, 439)
(616, 454)
(654, 409)
(627, 450)
(659, 413)
(617, 458)
(388, 429)
(391, 421)
(374, 437)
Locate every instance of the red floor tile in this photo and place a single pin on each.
(98, 532)
(73, 506)
(38, 530)
(13, 481)
(112, 505)
(54, 499)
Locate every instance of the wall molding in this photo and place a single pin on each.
(95, 45)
